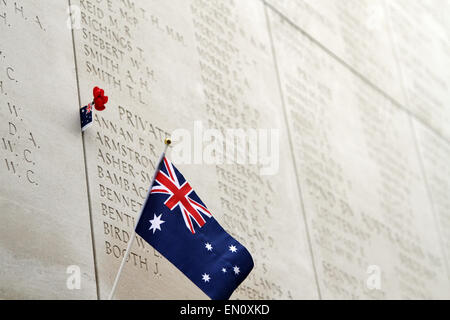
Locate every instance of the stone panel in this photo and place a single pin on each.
(435, 153)
(355, 31)
(402, 47)
(367, 207)
(421, 37)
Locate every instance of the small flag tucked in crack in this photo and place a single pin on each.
(86, 116)
(179, 226)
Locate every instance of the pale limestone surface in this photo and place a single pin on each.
(401, 47)
(355, 31)
(364, 194)
(435, 153)
(424, 66)
(43, 198)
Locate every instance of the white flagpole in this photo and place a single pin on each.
(167, 142)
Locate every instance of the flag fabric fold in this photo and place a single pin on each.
(179, 226)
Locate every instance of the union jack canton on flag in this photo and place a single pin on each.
(181, 228)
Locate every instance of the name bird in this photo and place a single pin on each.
(207, 311)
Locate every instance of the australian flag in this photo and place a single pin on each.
(86, 116)
(180, 227)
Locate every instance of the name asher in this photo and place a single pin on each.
(227, 309)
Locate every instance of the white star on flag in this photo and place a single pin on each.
(236, 270)
(205, 277)
(208, 246)
(156, 223)
(224, 270)
(233, 249)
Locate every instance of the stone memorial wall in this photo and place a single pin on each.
(358, 206)
(43, 197)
